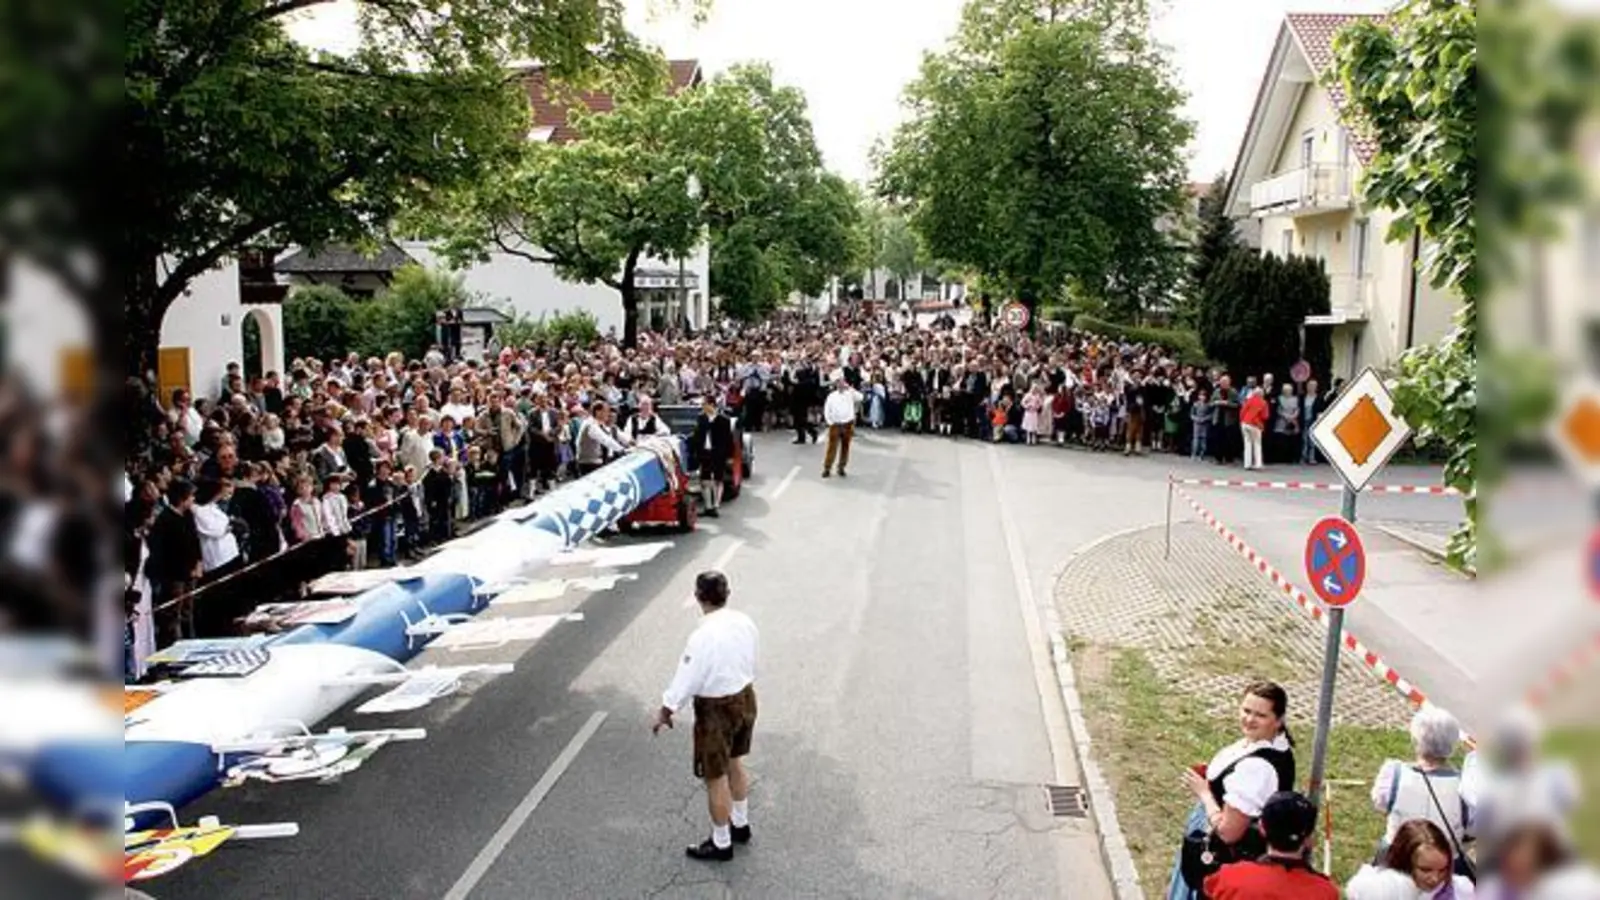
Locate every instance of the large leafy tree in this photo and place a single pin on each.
(1218, 237)
(1413, 80)
(1043, 147)
(236, 135)
(596, 207)
(778, 221)
(1252, 309)
(648, 177)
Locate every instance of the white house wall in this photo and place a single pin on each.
(535, 290)
(44, 324)
(1331, 237)
(208, 320)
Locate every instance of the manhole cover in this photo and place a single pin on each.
(1066, 802)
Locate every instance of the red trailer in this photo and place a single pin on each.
(676, 506)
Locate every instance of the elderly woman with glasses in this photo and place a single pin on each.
(1427, 786)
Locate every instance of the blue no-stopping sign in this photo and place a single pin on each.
(1336, 562)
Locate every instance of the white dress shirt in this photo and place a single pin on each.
(719, 661)
(218, 545)
(840, 407)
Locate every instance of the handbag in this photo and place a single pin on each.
(1203, 853)
(1463, 865)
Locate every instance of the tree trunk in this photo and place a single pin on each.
(144, 308)
(630, 302)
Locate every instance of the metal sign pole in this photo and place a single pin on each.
(1330, 670)
(1168, 553)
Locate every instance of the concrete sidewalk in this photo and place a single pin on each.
(1471, 645)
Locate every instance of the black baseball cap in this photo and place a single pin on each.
(1288, 820)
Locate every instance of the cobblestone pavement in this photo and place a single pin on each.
(1210, 624)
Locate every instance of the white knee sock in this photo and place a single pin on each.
(741, 812)
(721, 836)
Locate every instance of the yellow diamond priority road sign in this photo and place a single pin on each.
(1361, 430)
(1575, 431)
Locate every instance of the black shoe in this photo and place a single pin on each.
(799, 441)
(712, 514)
(741, 834)
(709, 851)
(826, 474)
(842, 473)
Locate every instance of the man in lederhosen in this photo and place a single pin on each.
(718, 672)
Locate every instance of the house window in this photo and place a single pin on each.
(1288, 242)
(1362, 234)
(1308, 145)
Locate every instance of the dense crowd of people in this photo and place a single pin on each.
(350, 462)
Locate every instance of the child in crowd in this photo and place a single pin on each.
(359, 526)
(480, 481)
(1033, 414)
(997, 418)
(1200, 414)
(1100, 421)
(305, 514)
(436, 499)
(1117, 402)
(380, 502)
(1060, 414)
(412, 512)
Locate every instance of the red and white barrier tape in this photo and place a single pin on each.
(1565, 672)
(1311, 607)
(1435, 489)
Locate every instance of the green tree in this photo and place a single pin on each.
(779, 222)
(404, 317)
(647, 178)
(1414, 82)
(901, 252)
(594, 208)
(1217, 237)
(1043, 147)
(240, 136)
(1251, 313)
(317, 322)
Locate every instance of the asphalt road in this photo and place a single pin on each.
(908, 723)
(909, 720)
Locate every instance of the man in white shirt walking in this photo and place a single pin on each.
(839, 412)
(718, 672)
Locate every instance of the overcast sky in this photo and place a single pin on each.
(852, 57)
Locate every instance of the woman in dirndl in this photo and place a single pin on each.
(1232, 788)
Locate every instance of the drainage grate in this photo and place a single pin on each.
(1066, 802)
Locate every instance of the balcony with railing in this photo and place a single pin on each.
(1350, 299)
(1317, 188)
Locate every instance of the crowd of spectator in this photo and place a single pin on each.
(263, 483)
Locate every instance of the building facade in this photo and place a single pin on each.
(1298, 175)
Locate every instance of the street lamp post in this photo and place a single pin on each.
(693, 190)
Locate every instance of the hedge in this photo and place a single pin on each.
(1184, 344)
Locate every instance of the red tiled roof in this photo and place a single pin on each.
(548, 113)
(1314, 32)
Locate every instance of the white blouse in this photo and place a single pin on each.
(1254, 780)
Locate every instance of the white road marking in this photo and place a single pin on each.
(1056, 728)
(784, 484)
(719, 565)
(519, 816)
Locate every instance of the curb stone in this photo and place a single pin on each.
(1113, 845)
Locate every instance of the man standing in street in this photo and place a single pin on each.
(713, 446)
(839, 412)
(802, 392)
(718, 672)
